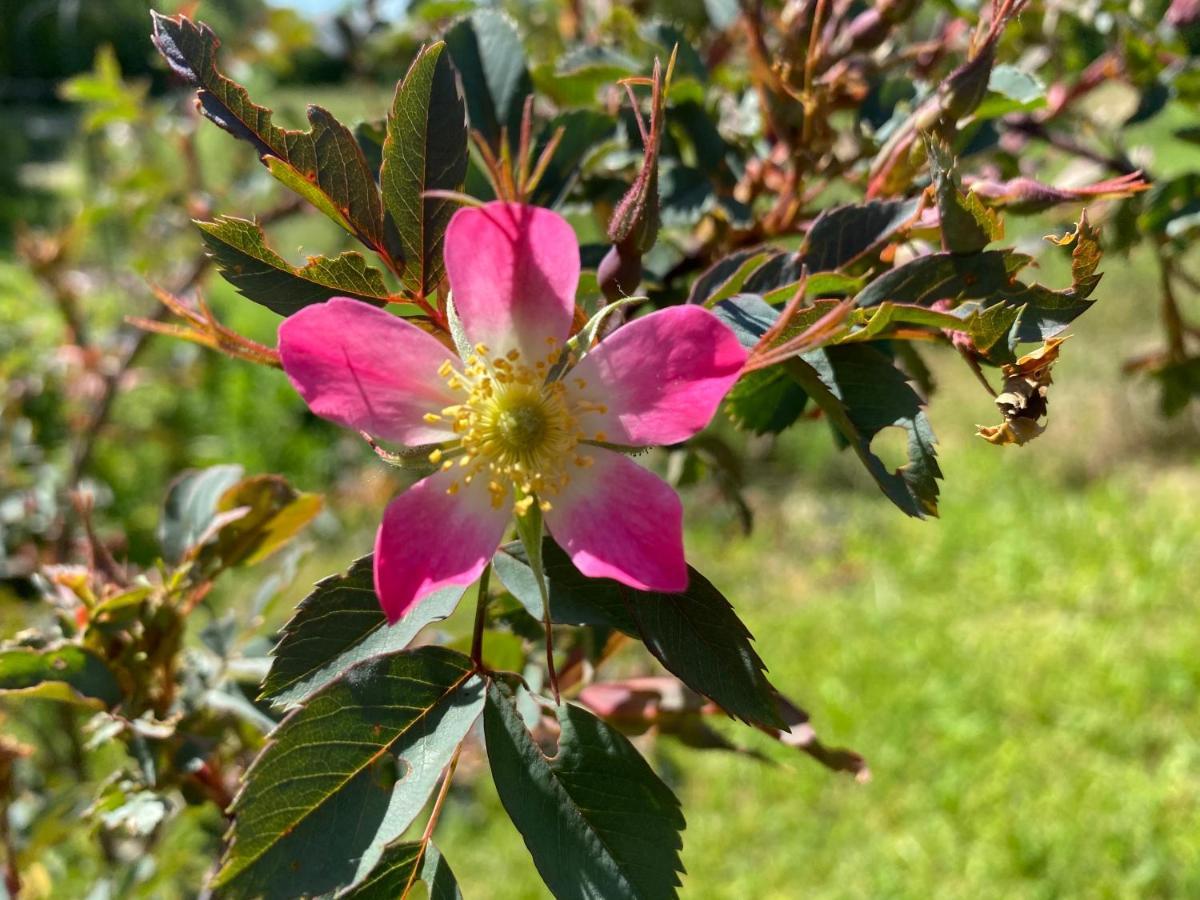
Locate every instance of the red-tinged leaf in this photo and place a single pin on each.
(240, 251)
(425, 150)
(324, 164)
(801, 735)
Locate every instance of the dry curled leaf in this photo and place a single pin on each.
(1022, 400)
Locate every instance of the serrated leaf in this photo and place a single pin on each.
(766, 402)
(945, 276)
(240, 251)
(340, 624)
(749, 317)
(490, 59)
(967, 225)
(326, 158)
(695, 634)
(862, 392)
(596, 819)
(845, 234)
(348, 772)
(425, 150)
(403, 866)
(992, 330)
(190, 506)
(68, 674)
(1048, 312)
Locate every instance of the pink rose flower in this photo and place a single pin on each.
(506, 435)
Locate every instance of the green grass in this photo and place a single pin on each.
(1022, 674)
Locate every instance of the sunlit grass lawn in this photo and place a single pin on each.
(1023, 674)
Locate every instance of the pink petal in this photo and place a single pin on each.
(618, 520)
(364, 368)
(430, 539)
(513, 272)
(661, 377)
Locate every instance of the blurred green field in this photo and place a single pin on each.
(1022, 674)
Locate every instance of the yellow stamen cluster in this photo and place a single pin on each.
(516, 428)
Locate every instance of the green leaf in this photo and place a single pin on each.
(401, 867)
(69, 674)
(107, 97)
(845, 234)
(240, 251)
(945, 276)
(254, 518)
(992, 330)
(1168, 200)
(967, 225)
(1048, 312)
(425, 150)
(490, 59)
(347, 773)
(582, 129)
(325, 164)
(726, 276)
(766, 402)
(579, 74)
(190, 506)
(882, 317)
(1011, 90)
(862, 392)
(695, 634)
(1179, 383)
(596, 819)
(748, 316)
(340, 624)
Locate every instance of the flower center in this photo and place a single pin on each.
(522, 426)
(515, 427)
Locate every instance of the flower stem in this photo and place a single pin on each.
(427, 836)
(1171, 316)
(529, 529)
(480, 618)
(551, 673)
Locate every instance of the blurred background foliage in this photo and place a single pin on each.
(1023, 674)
